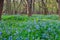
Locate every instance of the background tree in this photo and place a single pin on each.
(1, 7)
(44, 6)
(29, 7)
(8, 7)
(58, 1)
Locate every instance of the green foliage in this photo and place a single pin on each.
(36, 27)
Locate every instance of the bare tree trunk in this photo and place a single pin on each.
(29, 7)
(14, 10)
(33, 5)
(39, 7)
(58, 1)
(45, 7)
(1, 7)
(8, 7)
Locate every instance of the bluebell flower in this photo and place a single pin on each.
(0, 33)
(0, 28)
(10, 38)
(4, 39)
(49, 29)
(33, 37)
(43, 24)
(7, 31)
(44, 36)
(28, 30)
(56, 36)
(17, 32)
(37, 27)
(35, 22)
(54, 33)
(27, 39)
(19, 38)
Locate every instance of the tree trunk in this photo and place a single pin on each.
(1, 7)
(45, 7)
(29, 7)
(8, 7)
(33, 6)
(39, 7)
(58, 7)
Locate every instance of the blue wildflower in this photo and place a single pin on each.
(0, 33)
(10, 38)
(17, 32)
(19, 38)
(49, 29)
(28, 30)
(27, 39)
(37, 27)
(35, 22)
(44, 36)
(33, 37)
(4, 39)
(43, 24)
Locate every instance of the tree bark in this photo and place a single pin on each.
(58, 1)
(1, 7)
(8, 7)
(29, 7)
(45, 7)
(33, 6)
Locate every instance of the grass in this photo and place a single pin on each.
(36, 27)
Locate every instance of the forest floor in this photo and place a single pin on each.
(36, 27)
